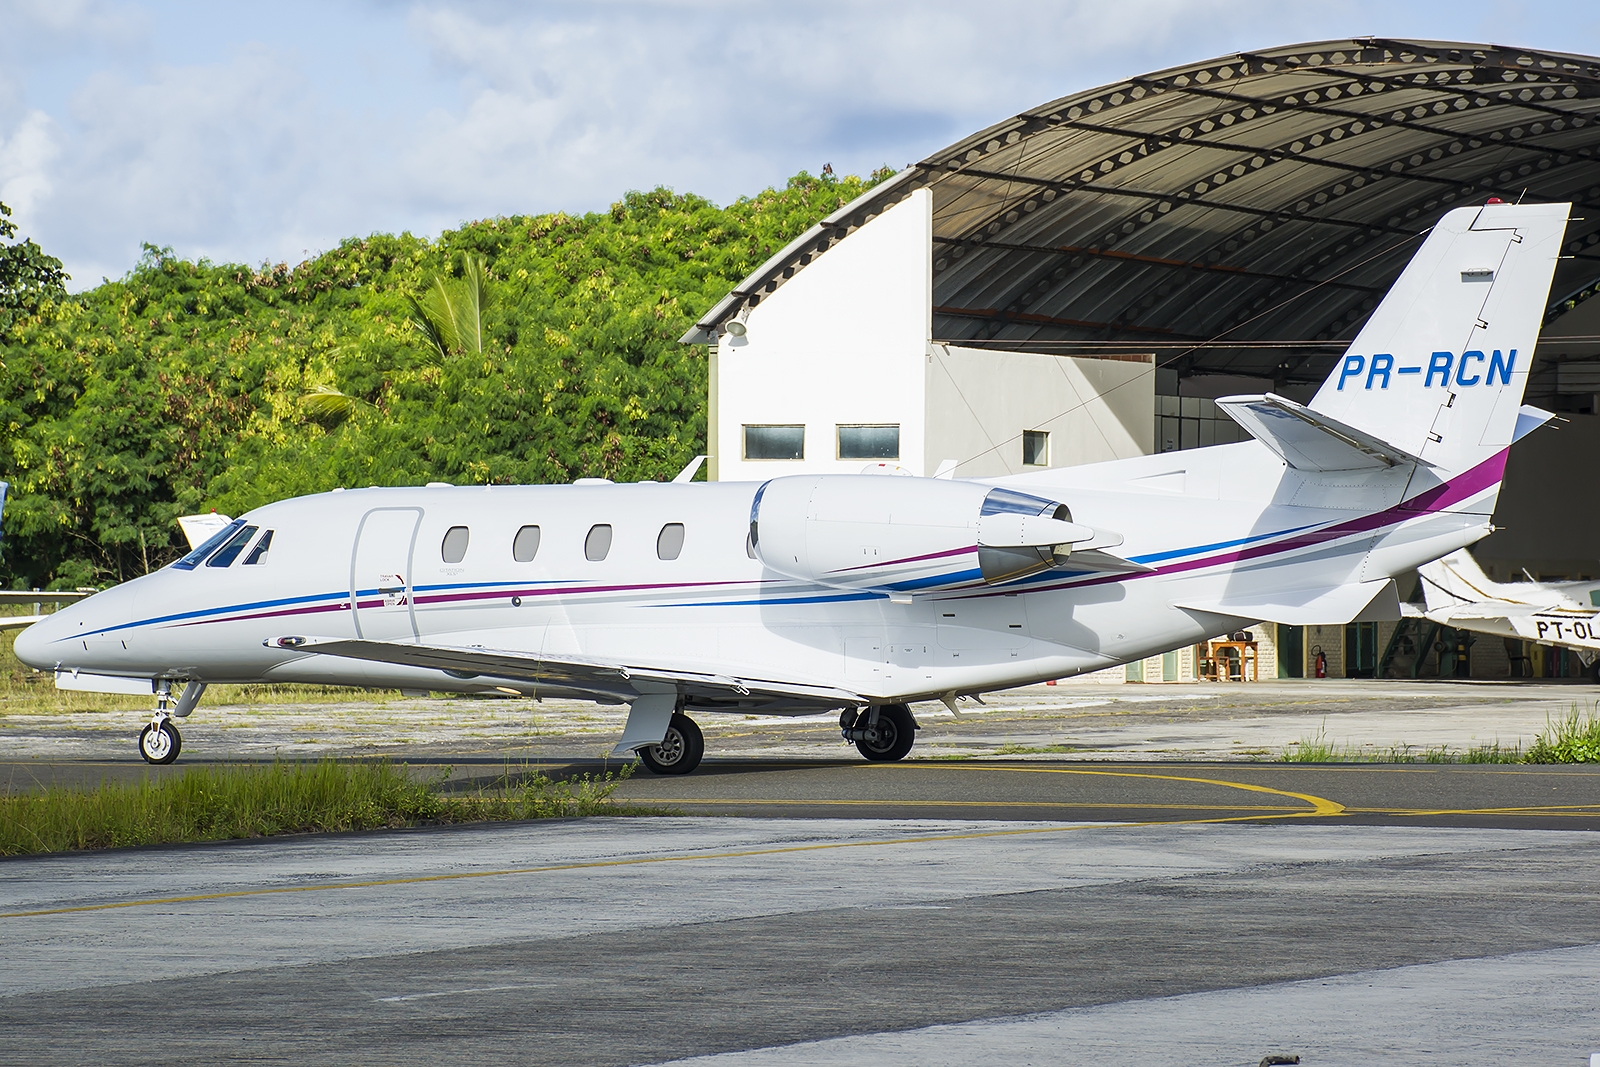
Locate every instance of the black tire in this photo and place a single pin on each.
(1593, 671)
(897, 732)
(679, 752)
(163, 747)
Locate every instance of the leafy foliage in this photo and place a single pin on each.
(511, 350)
(28, 277)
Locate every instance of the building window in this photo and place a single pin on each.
(1035, 448)
(526, 544)
(869, 442)
(598, 544)
(774, 442)
(669, 543)
(454, 547)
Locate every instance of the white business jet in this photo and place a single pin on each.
(863, 594)
(1565, 614)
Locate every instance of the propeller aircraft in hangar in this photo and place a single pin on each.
(864, 594)
(1458, 594)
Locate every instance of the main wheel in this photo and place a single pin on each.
(160, 744)
(679, 752)
(897, 731)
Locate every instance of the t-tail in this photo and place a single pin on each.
(1435, 378)
(1440, 368)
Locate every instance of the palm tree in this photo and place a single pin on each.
(450, 312)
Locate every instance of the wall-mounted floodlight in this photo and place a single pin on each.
(736, 328)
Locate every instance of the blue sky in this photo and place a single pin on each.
(251, 133)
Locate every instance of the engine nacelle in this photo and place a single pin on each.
(903, 535)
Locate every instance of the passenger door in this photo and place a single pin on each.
(380, 575)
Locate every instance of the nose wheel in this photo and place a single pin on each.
(160, 742)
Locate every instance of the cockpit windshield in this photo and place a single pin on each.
(231, 550)
(221, 537)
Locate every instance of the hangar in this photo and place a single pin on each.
(1224, 227)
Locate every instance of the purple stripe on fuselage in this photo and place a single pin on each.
(909, 559)
(1430, 502)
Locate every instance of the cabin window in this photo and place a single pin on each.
(774, 442)
(453, 549)
(1036, 448)
(526, 544)
(192, 560)
(669, 542)
(869, 441)
(231, 550)
(598, 544)
(259, 553)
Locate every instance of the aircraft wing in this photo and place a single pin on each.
(1551, 626)
(589, 679)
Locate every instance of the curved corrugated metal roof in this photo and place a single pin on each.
(1241, 215)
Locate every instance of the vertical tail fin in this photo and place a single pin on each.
(1456, 579)
(1439, 369)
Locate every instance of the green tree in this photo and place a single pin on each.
(28, 277)
(522, 349)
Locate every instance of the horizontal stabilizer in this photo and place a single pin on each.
(1308, 440)
(1358, 602)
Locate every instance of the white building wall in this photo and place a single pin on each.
(844, 341)
(980, 401)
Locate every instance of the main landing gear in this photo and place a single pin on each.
(160, 741)
(883, 733)
(680, 751)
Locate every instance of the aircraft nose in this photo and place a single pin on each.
(34, 643)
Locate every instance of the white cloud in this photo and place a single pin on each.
(256, 136)
(25, 159)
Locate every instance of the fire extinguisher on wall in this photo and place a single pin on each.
(1319, 662)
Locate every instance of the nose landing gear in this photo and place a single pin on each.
(160, 742)
(883, 733)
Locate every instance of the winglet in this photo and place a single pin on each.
(688, 472)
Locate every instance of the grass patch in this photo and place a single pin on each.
(1573, 739)
(1318, 749)
(1032, 750)
(221, 803)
